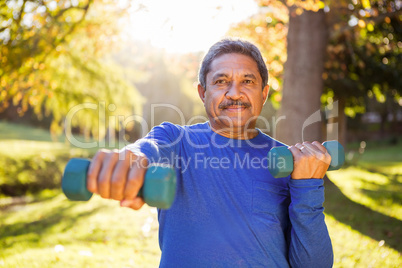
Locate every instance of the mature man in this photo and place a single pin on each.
(229, 211)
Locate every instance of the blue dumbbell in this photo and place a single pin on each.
(159, 187)
(280, 159)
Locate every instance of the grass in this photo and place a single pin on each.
(363, 210)
(18, 141)
(55, 232)
(47, 230)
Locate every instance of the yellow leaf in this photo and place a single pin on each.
(17, 98)
(321, 5)
(290, 3)
(366, 4)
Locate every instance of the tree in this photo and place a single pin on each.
(364, 62)
(315, 28)
(53, 58)
(303, 82)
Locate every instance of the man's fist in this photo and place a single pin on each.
(118, 175)
(311, 160)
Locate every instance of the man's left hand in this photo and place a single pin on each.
(311, 160)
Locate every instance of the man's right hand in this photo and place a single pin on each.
(118, 175)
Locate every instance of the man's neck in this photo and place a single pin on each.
(239, 133)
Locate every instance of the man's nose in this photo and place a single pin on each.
(234, 91)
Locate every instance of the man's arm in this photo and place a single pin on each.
(310, 244)
(119, 175)
(159, 145)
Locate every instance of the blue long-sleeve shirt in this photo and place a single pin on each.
(229, 211)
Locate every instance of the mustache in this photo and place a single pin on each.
(225, 105)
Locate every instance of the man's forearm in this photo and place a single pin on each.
(310, 244)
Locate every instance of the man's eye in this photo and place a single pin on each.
(248, 81)
(220, 81)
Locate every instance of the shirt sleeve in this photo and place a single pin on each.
(310, 244)
(160, 145)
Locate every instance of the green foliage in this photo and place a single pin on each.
(33, 160)
(91, 81)
(30, 161)
(52, 58)
(364, 59)
(364, 48)
(30, 175)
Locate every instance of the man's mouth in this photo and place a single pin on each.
(235, 108)
(237, 105)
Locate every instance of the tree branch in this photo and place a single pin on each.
(18, 20)
(72, 28)
(61, 11)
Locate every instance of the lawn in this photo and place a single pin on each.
(22, 141)
(47, 230)
(54, 232)
(363, 210)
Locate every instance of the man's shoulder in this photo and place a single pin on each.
(180, 134)
(270, 140)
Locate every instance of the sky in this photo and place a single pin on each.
(186, 26)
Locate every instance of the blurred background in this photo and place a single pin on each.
(80, 75)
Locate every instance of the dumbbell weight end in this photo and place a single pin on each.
(158, 190)
(74, 181)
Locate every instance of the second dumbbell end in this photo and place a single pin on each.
(280, 159)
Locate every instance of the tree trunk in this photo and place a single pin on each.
(303, 83)
(342, 121)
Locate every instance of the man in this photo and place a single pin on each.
(229, 211)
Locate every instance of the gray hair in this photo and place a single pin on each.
(227, 46)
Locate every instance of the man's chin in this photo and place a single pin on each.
(238, 125)
(234, 121)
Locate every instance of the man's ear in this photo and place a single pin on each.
(201, 92)
(265, 93)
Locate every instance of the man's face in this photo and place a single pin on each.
(234, 93)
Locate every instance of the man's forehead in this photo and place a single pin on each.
(228, 64)
(234, 59)
(230, 72)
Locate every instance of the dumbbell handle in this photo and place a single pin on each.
(280, 159)
(158, 190)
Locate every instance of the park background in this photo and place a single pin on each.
(336, 63)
